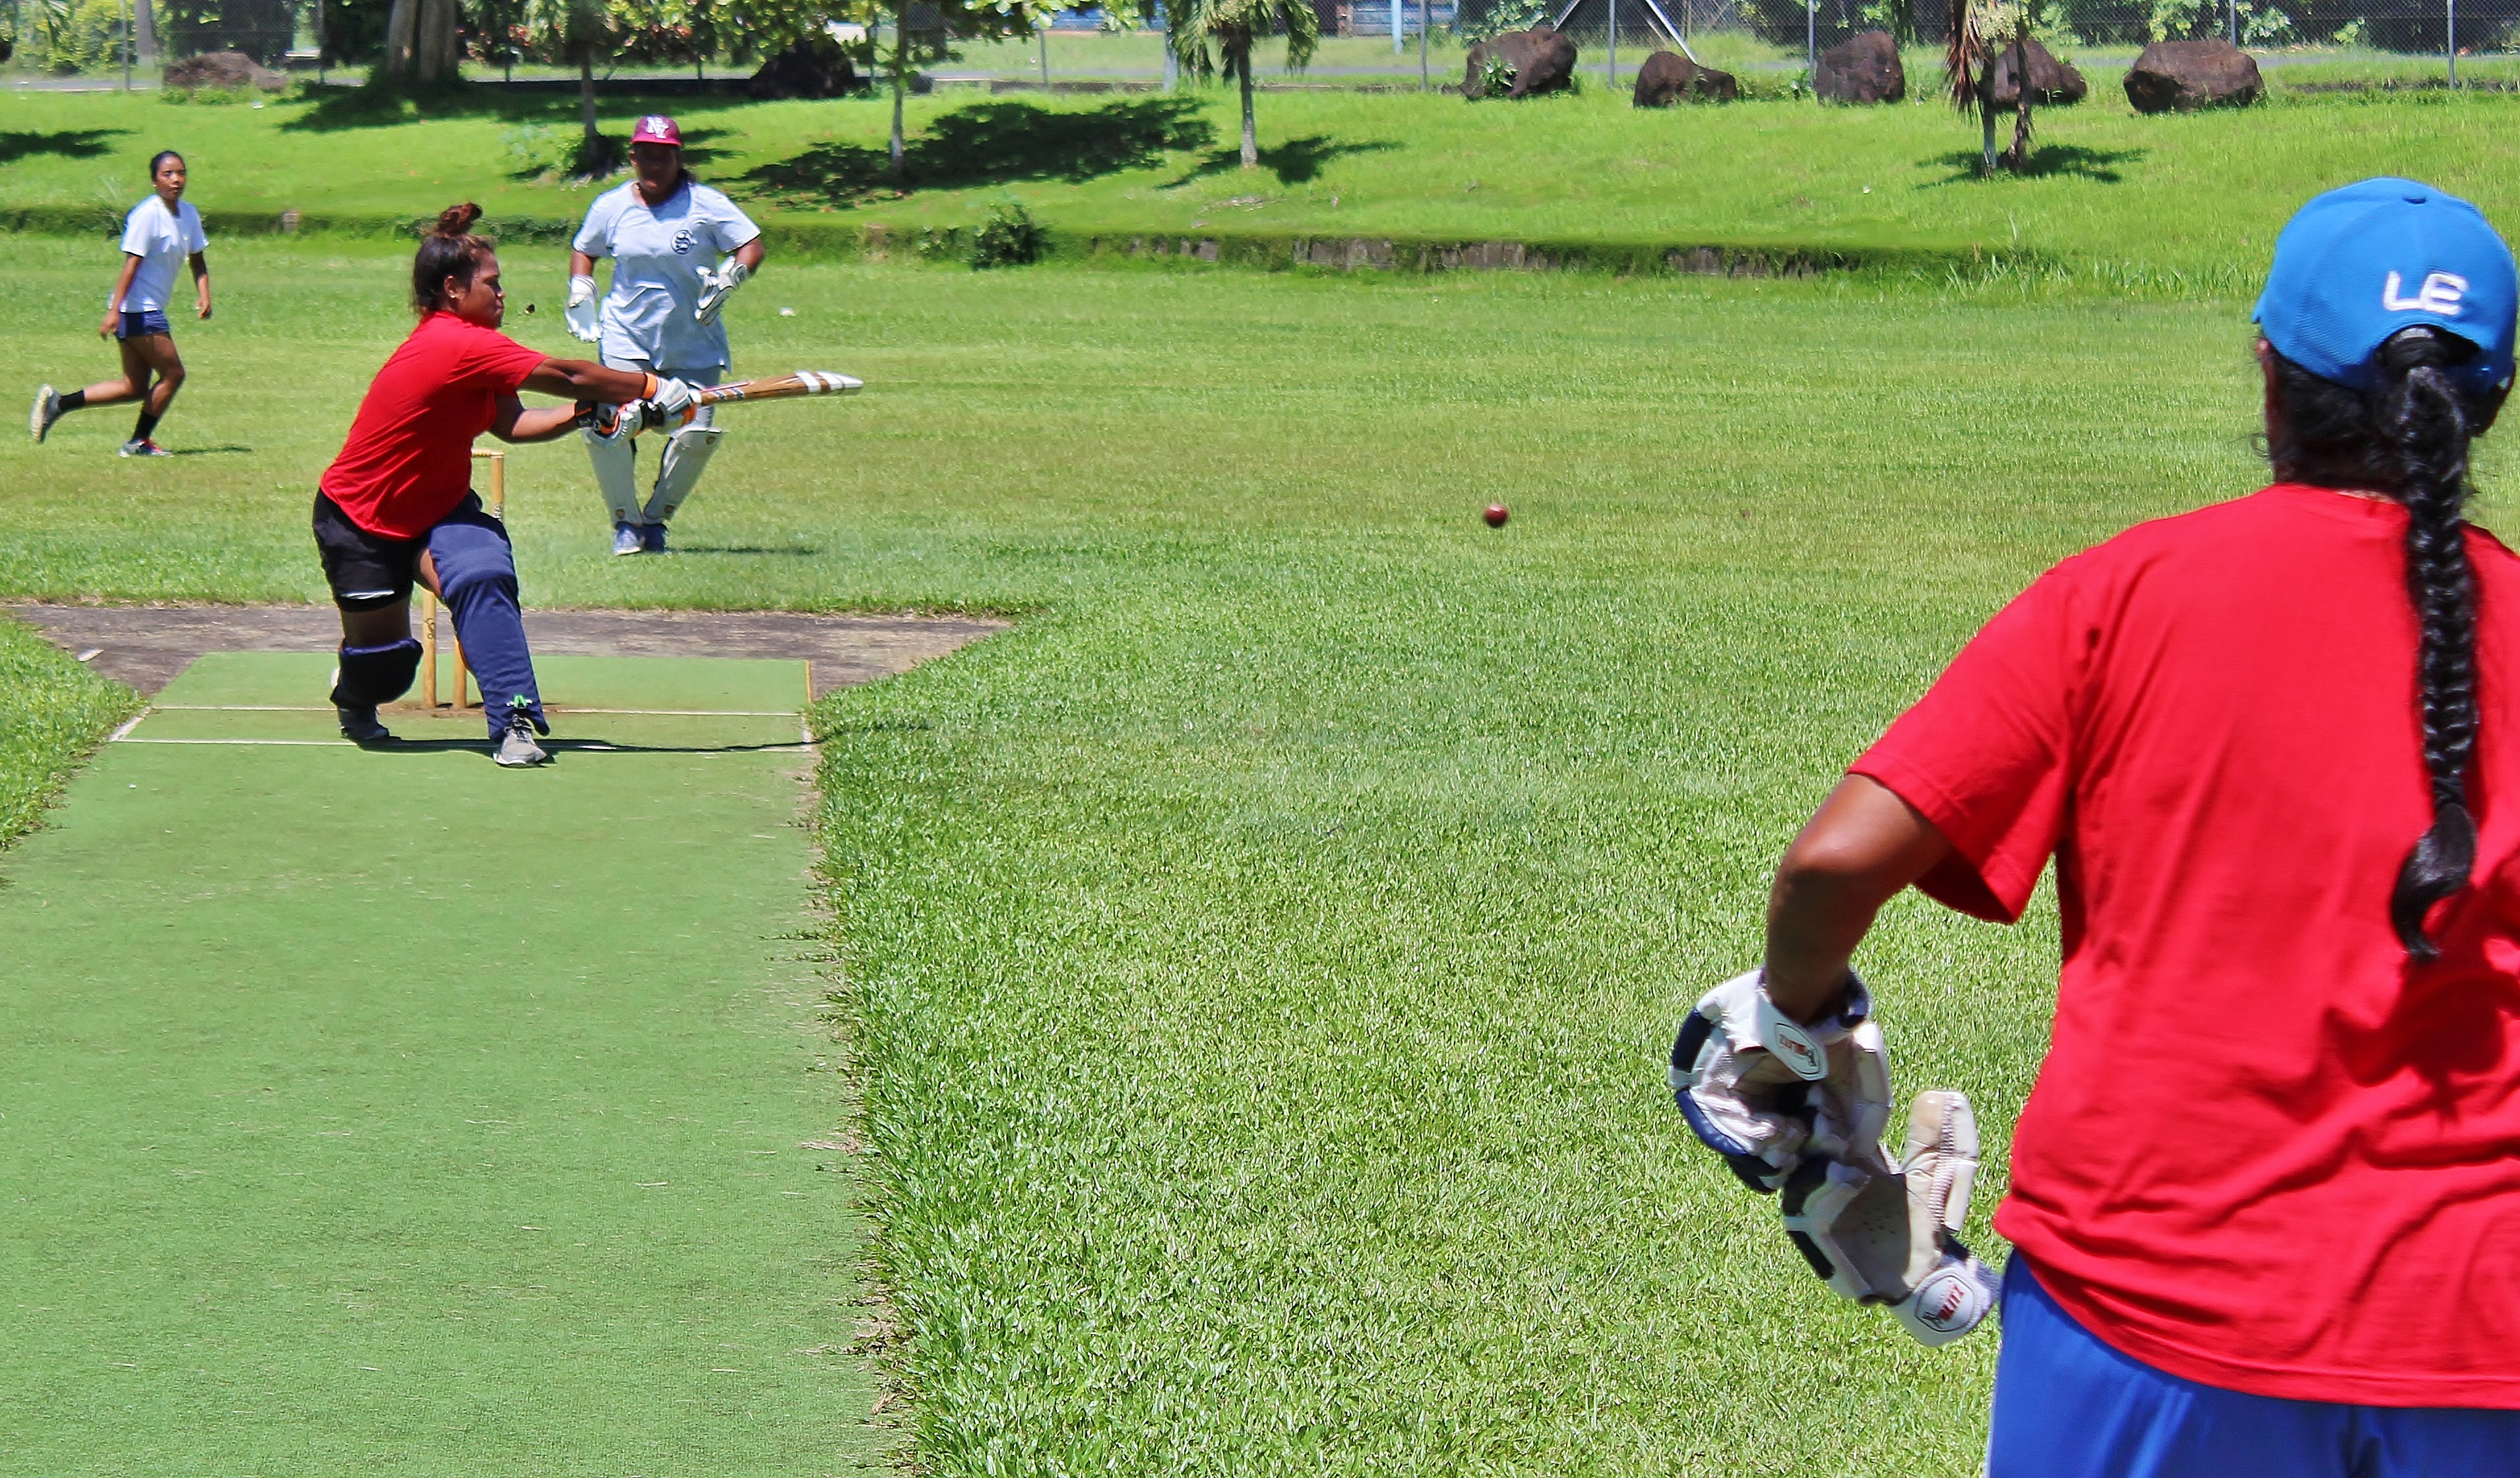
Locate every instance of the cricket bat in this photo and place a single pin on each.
(773, 387)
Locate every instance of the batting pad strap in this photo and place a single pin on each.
(371, 675)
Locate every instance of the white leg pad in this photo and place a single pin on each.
(686, 455)
(616, 475)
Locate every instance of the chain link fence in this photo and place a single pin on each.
(2412, 26)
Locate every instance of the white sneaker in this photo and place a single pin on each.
(516, 747)
(145, 448)
(48, 409)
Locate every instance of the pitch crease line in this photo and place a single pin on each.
(685, 713)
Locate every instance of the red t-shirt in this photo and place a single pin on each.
(2265, 1152)
(409, 457)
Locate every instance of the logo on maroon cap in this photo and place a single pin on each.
(657, 128)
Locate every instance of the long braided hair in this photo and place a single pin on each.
(2407, 437)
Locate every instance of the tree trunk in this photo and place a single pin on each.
(402, 22)
(592, 157)
(433, 52)
(1250, 134)
(144, 31)
(2019, 158)
(900, 82)
(1986, 113)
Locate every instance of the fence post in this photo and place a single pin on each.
(2450, 38)
(126, 45)
(1398, 13)
(1425, 27)
(1614, 45)
(1811, 39)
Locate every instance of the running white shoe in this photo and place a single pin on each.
(145, 448)
(48, 409)
(516, 747)
(625, 539)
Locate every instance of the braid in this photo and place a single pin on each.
(2427, 430)
(2409, 436)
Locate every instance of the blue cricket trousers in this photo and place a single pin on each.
(2067, 1406)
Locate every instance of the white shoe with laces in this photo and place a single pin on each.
(48, 409)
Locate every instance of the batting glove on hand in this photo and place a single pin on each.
(717, 287)
(671, 400)
(581, 312)
(611, 422)
(1894, 1239)
(1765, 1092)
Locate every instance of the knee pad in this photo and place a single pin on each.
(371, 675)
(616, 475)
(677, 475)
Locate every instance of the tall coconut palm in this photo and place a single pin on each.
(1204, 34)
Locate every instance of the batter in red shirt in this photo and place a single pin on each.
(397, 506)
(2265, 1193)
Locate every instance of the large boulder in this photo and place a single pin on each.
(2177, 76)
(813, 67)
(1541, 61)
(1668, 77)
(222, 71)
(2052, 84)
(1862, 68)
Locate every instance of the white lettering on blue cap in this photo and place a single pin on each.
(2440, 295)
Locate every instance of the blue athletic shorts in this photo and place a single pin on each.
(2067, 1406)
(142, 324)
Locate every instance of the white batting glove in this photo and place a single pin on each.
(717, 287)
(1765, 1092)
(670, 400)
(581, 312)
(1894, 1239)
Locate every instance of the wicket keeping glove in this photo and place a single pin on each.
(1764, 1090)
(581, 312)
(717, 287)
(1894, 1239)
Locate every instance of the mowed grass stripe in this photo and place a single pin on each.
(369, 1111)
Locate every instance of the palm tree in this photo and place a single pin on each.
(1982, 30)
(1229, 27)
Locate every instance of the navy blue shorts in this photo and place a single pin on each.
(2067, 1406)
(142, 324)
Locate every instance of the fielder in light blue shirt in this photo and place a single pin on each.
(667, 234)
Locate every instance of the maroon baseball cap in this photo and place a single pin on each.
(657, 128)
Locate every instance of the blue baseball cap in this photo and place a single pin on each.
(2358, 264)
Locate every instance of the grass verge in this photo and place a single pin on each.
(2188, 206)
(52, 713)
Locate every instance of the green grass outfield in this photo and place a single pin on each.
(2165, 204)
(1259, 960)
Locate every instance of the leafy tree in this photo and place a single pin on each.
(1204, 34)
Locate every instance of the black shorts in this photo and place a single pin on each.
(370, 572)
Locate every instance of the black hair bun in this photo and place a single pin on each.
(457, 220)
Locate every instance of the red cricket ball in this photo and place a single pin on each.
(1496, 515)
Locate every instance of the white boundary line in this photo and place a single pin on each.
(687, 713)
(564, 745)
(129, 724)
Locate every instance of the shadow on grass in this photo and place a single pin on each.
(69, 143)
(334, 108)
(556, 152)
(2044, 160)
(206, 451)
(779, 551)
(1294, 162)
(994, 144)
